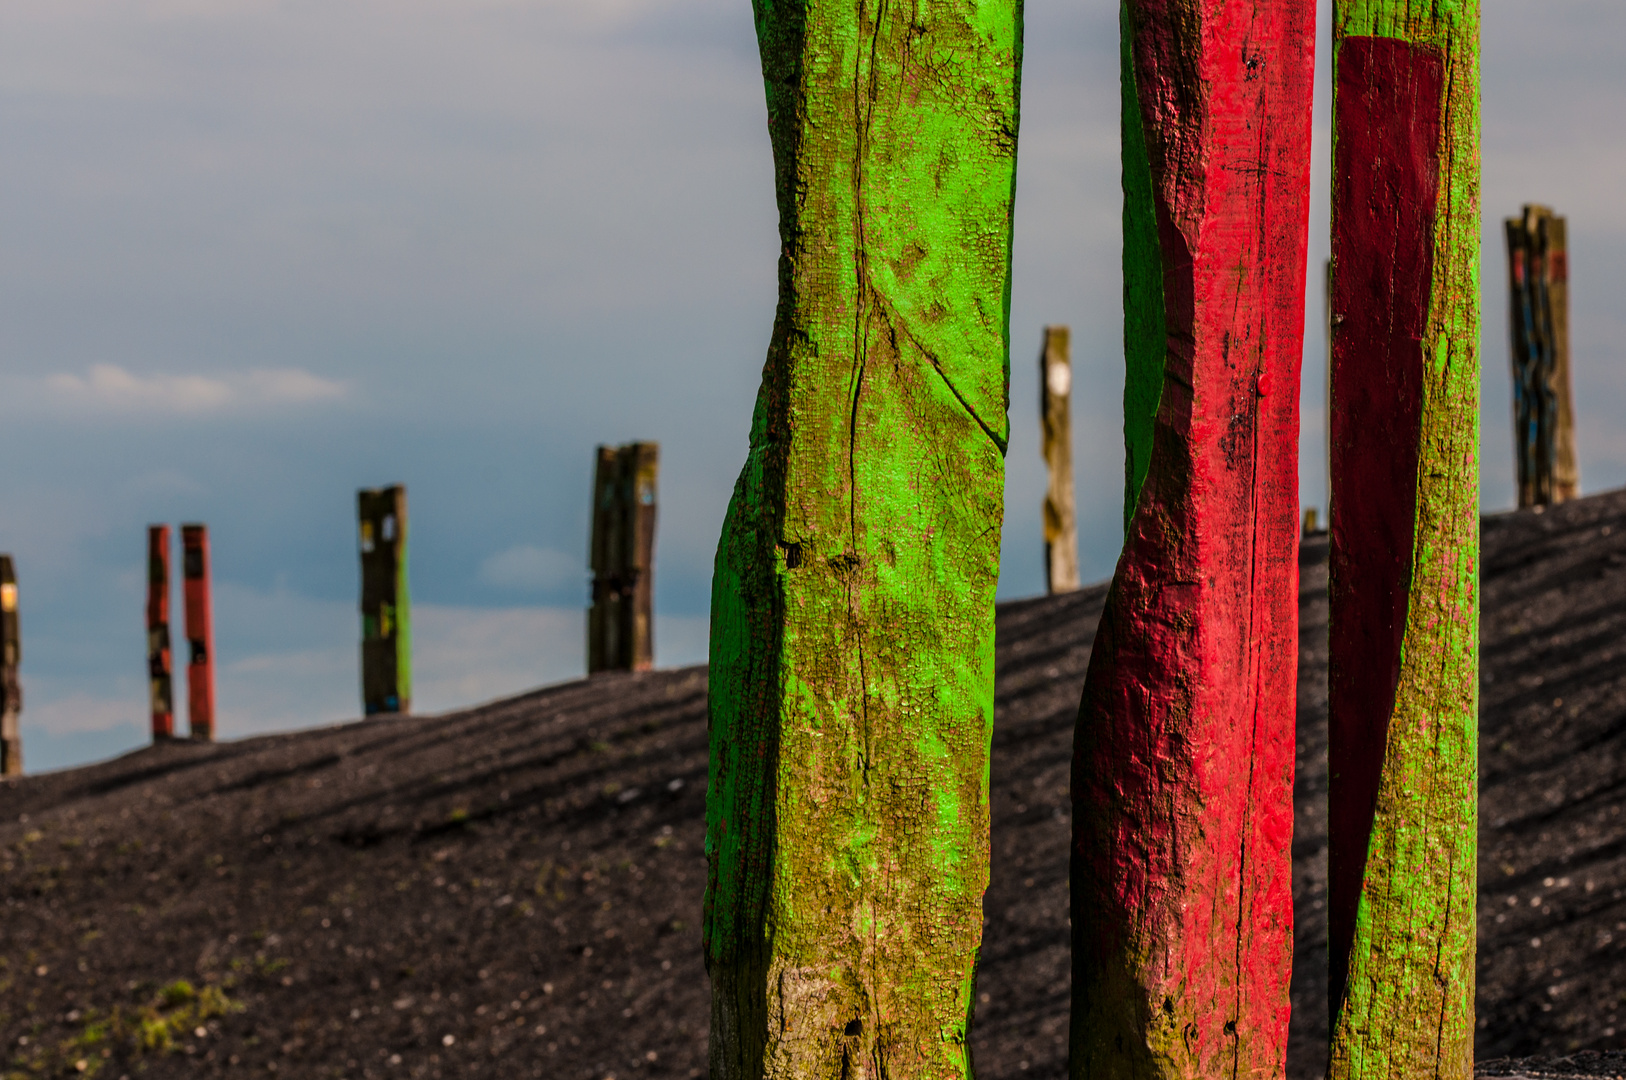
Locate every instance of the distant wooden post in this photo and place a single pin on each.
(160, 689)
(1055, 411)
(620, 620)
(386, 601)
(852, 614)
(1404, 555)
(11, 688)
(1539, 318)
(1182, 899)
(200, 634)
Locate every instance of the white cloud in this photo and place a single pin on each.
(110, 388)
(529, 567)
(84, 712)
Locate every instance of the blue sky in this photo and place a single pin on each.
(255, 254)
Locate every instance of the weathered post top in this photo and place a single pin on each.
(620, 621)
(11, 689)
(386, 602)
(200, 636)
(1548, 470)
(1055, 412)
(161, 697)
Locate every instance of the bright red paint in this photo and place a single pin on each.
(1388, 124)
(1183, 763)
(200, 637)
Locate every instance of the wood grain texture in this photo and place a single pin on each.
(1183, 756)
(1403, 669)
(1056, 444)
(852, 639)
(1538, 309)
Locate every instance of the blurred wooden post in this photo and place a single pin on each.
(386, 602)
(620, 620)
(161, 689)
(11, 690)
(1060, 523)
(1543, 408)
(1403, 669)
(200, 635)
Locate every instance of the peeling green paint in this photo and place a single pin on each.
(852, 647)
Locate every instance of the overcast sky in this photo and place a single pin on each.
(255, 254)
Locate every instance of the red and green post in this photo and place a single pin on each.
(1404, 571)
(1182, 905)
(852, 635)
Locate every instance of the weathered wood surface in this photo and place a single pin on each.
(160, 686)
(1538, 310)
(1404, 541)
(386, 601)
(852, 647)
(11, 687)
(621, 619)
(200, 634)
(1056, 430)
(1182, 914)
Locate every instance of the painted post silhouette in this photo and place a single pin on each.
(200, 635)
(11, 688)
(1056, 429)
(620, 622)
(1539, 310)
(386, 601)
(1404, 559)
(160, 688)
(1182, 906)
(852, 633)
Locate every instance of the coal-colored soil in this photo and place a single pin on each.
(515, 890)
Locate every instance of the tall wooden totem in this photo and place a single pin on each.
(11, 687)
(160, 688)
(386, 601)
(1404, 569)
(1539, 321)
(1056, 438)
(200, 633)
(621, 620)
(852, 634)
(1182, 905)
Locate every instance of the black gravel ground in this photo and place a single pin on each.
(514, 890)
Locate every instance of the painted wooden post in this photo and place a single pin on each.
(160, 689)
(200, 634)
(11, 688)
(1182, 906)
(1539, 310)
(1404, 570)
(852, 634)
(620, 622)
(386, 601)
(1055, 412)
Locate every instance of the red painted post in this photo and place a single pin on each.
(11, 690)
(200, 636)
(158, 679)
(1182, 905)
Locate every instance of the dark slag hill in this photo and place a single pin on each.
(515, 890)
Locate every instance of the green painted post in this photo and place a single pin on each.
(1403, 689)
(386, 601)
(852, 635)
